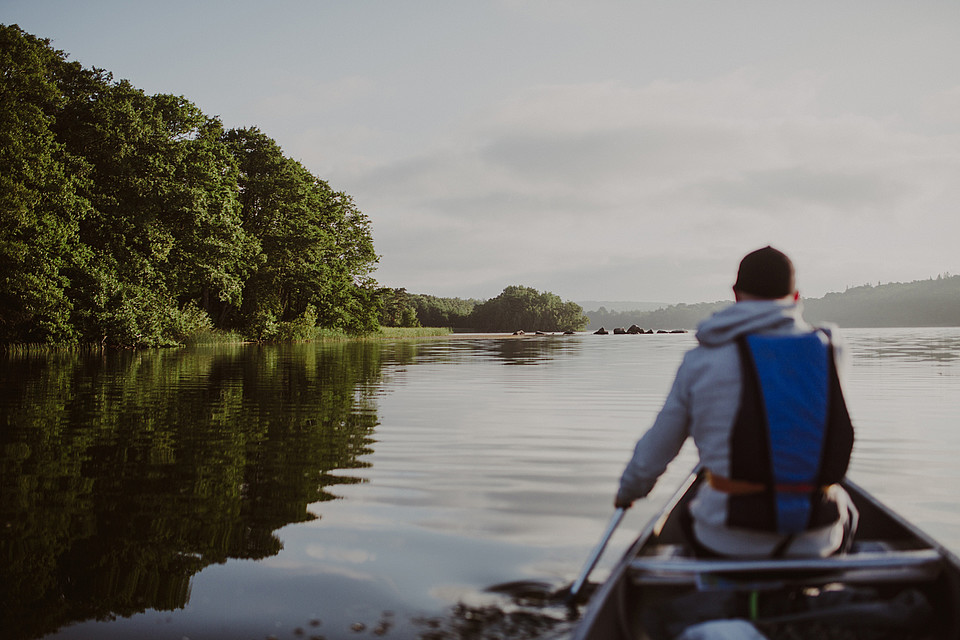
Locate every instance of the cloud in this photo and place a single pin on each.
(580, 147)
(798, 189)
(612, 180)
(943, 107)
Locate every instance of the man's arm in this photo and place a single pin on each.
(657, 447)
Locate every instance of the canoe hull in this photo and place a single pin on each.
(657, 581)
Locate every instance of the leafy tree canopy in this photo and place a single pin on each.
(134, 219)
(520, 308)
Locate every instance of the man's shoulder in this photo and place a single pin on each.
(710, 355)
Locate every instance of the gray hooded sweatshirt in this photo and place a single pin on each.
(703, 403)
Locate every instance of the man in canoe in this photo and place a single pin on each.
(762, 400)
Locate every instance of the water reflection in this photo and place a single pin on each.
(523, 350)
(534, 351)
(910, 345)
(124, 474)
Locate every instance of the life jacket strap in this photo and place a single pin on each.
(745, 487)
(733, 487)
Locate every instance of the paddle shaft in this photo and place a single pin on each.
(597, 552)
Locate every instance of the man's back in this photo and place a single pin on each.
(705, 402)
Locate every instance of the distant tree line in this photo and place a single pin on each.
(922, 303)
(444, 312)
(133, 219)
(934, 302)
(517, 308)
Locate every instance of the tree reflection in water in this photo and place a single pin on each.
(124, 474)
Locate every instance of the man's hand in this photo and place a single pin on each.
(622, 502)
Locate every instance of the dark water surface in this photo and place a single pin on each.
(376, 489)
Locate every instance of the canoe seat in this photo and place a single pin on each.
(869, 562)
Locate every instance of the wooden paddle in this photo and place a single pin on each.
(595, 556)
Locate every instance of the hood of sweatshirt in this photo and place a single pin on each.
(750, 316)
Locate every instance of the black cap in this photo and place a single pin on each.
(766, 273)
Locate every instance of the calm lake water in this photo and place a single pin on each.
(377, 489)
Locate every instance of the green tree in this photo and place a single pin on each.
(39, 205)
(316, 248)
(134, 219)
(523, 308)
(398, 311)
(443, 312)
(164, 229)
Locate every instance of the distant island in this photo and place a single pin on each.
(922, 303)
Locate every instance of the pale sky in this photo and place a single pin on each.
(602, 150)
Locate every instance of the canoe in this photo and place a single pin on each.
(895, 582)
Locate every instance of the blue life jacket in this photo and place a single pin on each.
(792, 433)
